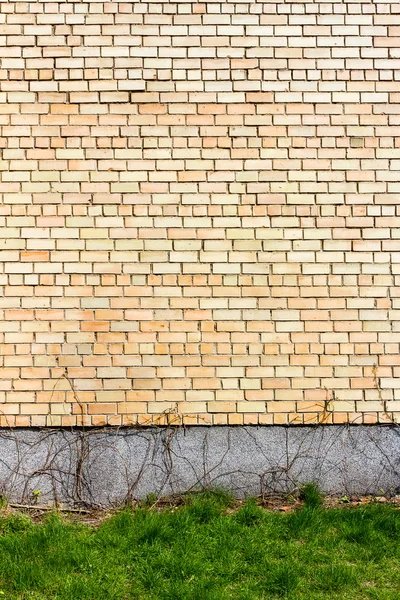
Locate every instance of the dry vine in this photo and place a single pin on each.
(100, 467)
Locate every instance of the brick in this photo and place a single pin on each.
(200, 209)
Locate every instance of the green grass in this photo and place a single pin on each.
(206, 550)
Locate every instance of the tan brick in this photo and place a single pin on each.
(182, 224)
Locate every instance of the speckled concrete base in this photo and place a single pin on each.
(105, 467)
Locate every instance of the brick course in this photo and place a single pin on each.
(199, 211)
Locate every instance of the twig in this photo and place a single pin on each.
(52, 508)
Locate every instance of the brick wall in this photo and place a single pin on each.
(200, 214)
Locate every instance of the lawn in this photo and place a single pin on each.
(207, 549)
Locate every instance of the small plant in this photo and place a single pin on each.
(36, 495)
(311, 495)
(3, 501)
